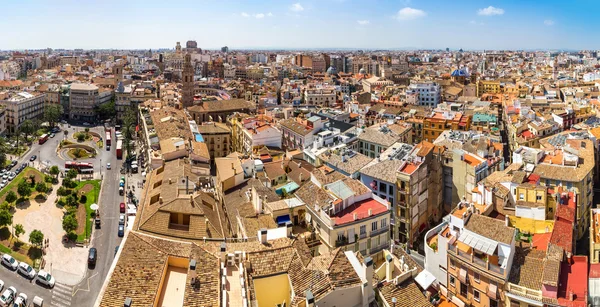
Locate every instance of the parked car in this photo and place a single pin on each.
(107, 165)
(122, 208)
(26, 270)
(21, 300)
(1, 284)
(11, 176)
(52, 135)
(86, 124)
(116, 250)
(45, 278)
(24, 165)
(121, 230)
(33, 158)
(8, 296)
(92, 256)
(10, 262)
(121, 219)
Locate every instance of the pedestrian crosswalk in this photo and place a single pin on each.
(61, 295)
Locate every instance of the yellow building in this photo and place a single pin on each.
(488, 87)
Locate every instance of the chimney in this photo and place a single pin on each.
(506, 220)
(192, 200)
(310, 298)
(370, 212)
(367, 284)
(169, 180)
(288, 227)
(223, 252)
(355, 216)
(128, 302)
(389, 267)
(262, 235)
(300, 177)
(193, 271)
(187, 179)
(160, 200)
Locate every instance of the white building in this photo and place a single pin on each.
(22, 106)
(427, 93)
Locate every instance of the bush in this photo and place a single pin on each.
(80, 137)
(83, 199)
(62, 191)
(71, 236)
(48, 179)
(61, 202)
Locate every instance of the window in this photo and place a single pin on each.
(463, 290)
(476, 277)
(363, 230)
(384, 223)
(538, 197)
(340, 236)
(451, 282)
(452, 264)
(493, 303)
(374, 226)
(521, 196)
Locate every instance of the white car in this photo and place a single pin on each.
(11, 176)
(107, 165)
(26, 270)
(1, 284)
(45, 278)
(8, 296)
(21, 300)
(86, 124)
(10, 262)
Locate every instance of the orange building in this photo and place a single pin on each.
(437, 122)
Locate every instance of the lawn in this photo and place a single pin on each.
(20, 250)
(78, 153)
(15, 182)
(91, 188)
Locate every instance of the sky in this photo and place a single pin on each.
(295, 24)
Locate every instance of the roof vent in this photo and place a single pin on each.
(128, 302)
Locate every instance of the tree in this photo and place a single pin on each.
(5, 218)
(28, 128)
(41, 187)
(52, 114)
(66, 133)
(54, 170)
(36, 237)
(2, 157)
(11, 196)
(18, 230)
(106, 110)
(32, 180)
(69, 223)
(71, 200)
(87, 130)
(71, 174)
(80, 137)
(24, 189)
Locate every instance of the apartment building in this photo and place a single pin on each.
(377, 138)
(488, 87)
(84, 100)
(346, 214)
(468, 170)
(217, 137)
(427, 93)
(297, 133)
(320, 96)
(480, 257)
(437, 122)
(21, 106)
(595, 236)
(122, 100)
(250, 132)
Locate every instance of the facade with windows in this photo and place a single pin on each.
(85, 98)
(21, 107)
(217, 137)
(425, 93)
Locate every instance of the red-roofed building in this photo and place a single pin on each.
(573, 285)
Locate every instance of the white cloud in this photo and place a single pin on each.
(244, 14)
(363, 22)
(549, 22)
(296, 7)
(269, 14)
(259, 15)
(409, 13)
(490, 11)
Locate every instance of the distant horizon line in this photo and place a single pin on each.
(301, 49)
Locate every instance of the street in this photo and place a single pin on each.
(105, 239)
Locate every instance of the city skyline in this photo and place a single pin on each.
(408, 24)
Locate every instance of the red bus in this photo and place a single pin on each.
(43, 139)
(108, 137)
(78, 165)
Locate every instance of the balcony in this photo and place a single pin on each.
(379, 231)
(362, 235)
(482, 263)
(341, 241)
(379, 248)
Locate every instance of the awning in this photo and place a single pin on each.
(282, 220)
(478, 242)
(457, 301)
(462, 275)
(425, 279)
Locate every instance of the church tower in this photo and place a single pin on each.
(188, 82)
(178, 48)
(118, 73)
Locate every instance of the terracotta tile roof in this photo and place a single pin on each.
(312, 195)
(384, 170)
(527, 269)
(295, 126)
(490, 228)
(350, 166)
(223, 106)
(407, 294)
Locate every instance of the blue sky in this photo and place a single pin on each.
(477, 24)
